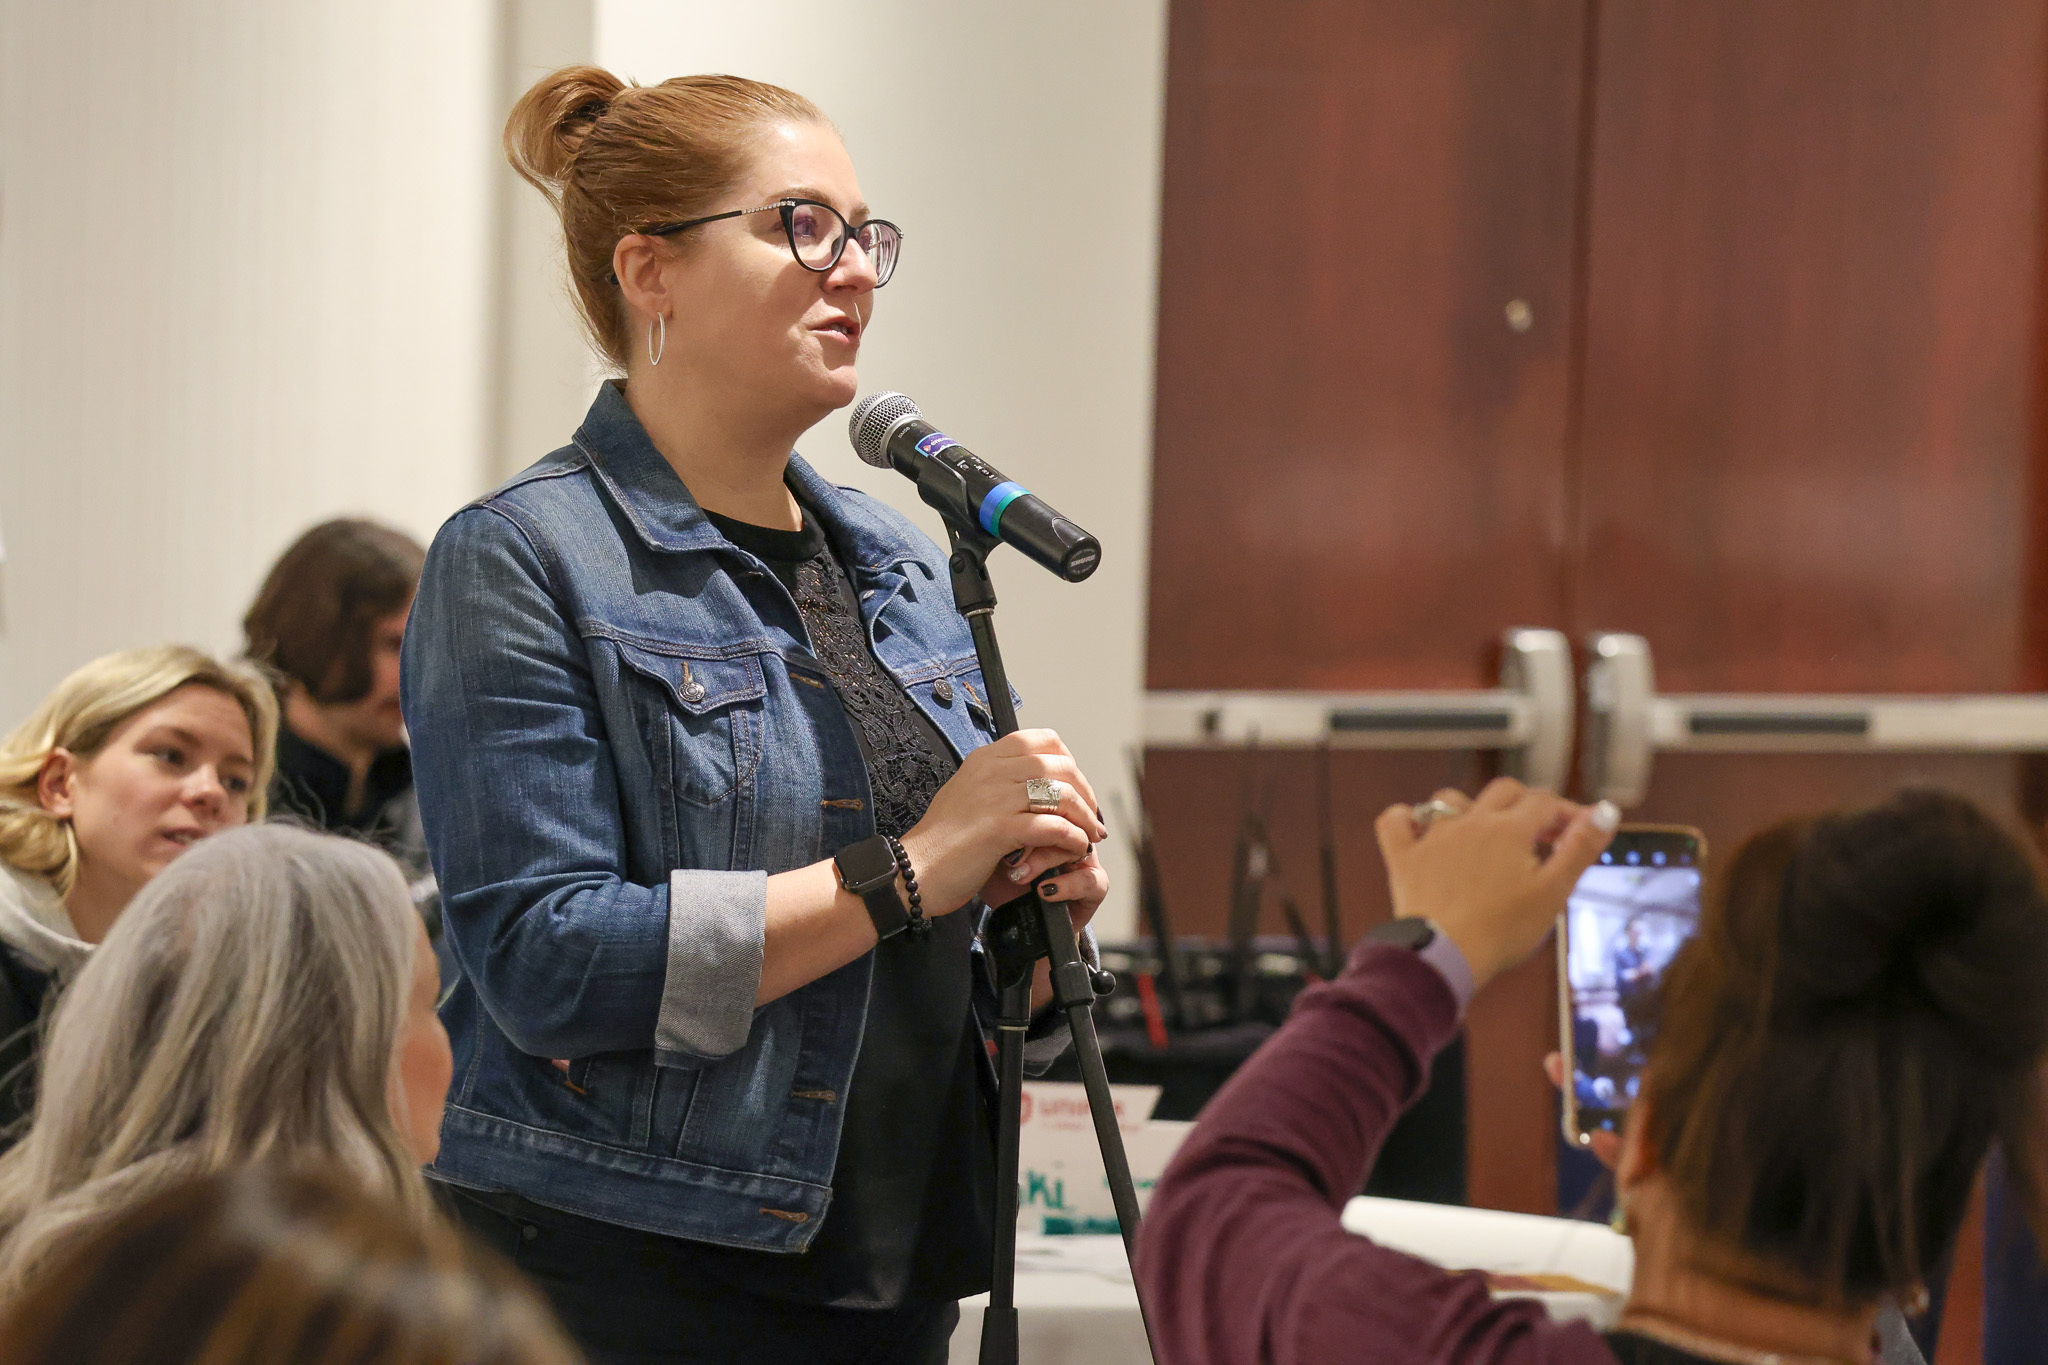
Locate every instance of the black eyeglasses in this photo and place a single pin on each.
(817, 233)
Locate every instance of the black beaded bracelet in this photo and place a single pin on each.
(919, 925)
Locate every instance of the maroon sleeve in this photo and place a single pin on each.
(1242, 1258)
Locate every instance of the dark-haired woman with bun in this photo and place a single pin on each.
(1859, 1016)
(706, 770)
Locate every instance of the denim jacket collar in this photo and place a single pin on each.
(666, 516)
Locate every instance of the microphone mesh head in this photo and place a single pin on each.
(877, 416)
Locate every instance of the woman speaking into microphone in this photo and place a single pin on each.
(704, 762)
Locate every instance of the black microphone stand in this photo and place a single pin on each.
(1023, 931)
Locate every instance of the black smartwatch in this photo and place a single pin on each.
(1422, 938)
(1412, 934)
(868, 870)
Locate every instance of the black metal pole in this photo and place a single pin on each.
(1333, 927)
(1022, 932)
(1073, 987)
(999, 1320)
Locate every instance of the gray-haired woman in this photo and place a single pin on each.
(270, 995)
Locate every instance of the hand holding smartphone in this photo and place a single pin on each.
(1625, 920)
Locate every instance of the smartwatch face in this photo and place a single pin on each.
(866, 863)
(1406, 933)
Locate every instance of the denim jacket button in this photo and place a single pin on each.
(943, 690)
(693, 691)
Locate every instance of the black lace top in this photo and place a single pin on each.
(907, 760)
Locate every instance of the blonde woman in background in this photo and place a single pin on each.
(131, 760)
(268, 996)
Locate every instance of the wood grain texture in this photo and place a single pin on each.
(1813, 306)
(1357, 465)
(1731, 796)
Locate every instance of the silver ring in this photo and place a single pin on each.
(1431, 811)
(1043, 794)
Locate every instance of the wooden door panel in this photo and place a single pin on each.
(1358, 462)
(1810, 443)
(1359, 465)
(1730, 796)
(1812, 312)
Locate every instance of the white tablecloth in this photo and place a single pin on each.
(1075, 1304)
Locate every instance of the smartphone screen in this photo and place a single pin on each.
(1626, 919)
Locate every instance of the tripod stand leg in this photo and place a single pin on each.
(1074, 989)
(999, 1320)
(1110, 1138)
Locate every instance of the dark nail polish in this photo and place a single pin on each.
(1048, 891)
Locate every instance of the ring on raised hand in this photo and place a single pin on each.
(1043, 794)
(1431, 811)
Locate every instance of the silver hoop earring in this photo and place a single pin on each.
(654, 349)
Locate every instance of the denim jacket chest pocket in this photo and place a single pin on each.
(953, 693)
(700, 717)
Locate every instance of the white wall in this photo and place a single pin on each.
(543, 371)
(1018, 146)
(244, 256)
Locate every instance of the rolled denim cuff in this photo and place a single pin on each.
(717, 937)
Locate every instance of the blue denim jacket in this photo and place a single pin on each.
(619, 731)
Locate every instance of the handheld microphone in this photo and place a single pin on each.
(889, 432)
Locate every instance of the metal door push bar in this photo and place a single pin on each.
(1528, 717)
(1627, 723)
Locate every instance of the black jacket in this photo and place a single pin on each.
(24, 994)
(38, 952)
